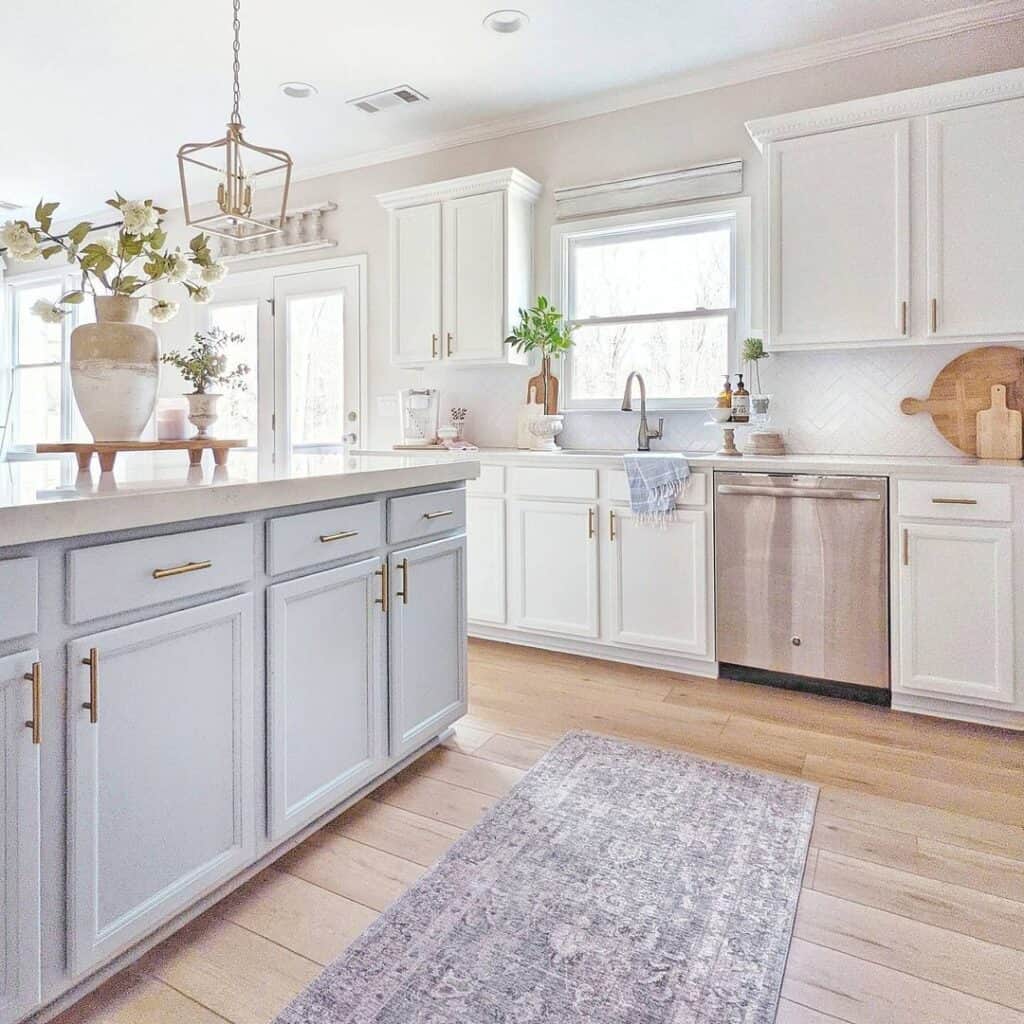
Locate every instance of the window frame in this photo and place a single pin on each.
(679, 219)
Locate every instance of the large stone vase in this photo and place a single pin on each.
(115, 370)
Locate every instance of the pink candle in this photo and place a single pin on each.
(171, 423)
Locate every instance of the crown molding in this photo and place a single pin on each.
(930, 99)
(934, 26)
(508, 178)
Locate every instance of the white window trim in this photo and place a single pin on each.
(650, 222)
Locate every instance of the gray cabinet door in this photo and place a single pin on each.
(427, 647)
(327, 694)
(19, 845)
(161, 794)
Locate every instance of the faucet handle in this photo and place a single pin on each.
(657, 434)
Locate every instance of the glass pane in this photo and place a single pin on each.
(316, 332)
(38, 342)
(237, 409)
(678, 358)
(36, 404)
(667, 273)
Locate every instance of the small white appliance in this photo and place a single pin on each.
(420, 409)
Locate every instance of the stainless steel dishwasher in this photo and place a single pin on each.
(802, 582)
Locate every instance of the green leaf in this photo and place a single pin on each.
(51, 250)
(157, 238)
(114, 203)
(72, 297)
(79, 231)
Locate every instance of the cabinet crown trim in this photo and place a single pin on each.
(506, 179)
(929, 99)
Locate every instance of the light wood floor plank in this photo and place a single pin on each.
(412, 836)
(467, 738)
(794, 1013)
(474, 773)
(512, 750)
(432, 798)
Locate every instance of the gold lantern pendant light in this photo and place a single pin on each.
(235, 165)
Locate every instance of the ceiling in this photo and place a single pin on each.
(99, 96)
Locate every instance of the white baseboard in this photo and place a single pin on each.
(1003, 718)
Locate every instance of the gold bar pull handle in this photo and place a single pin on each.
(439, 515)
(327, 538)
(403, 568)
(590, 523)
(433, 346)
(611, 525)
(903, 317)
(93, 705)
(906, 547)
(954, 501)
(180, 570)
(35, 677)
(935, 315)
(450, 340)
(382, 572)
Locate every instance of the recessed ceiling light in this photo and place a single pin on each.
(506, 21)
(298, 90)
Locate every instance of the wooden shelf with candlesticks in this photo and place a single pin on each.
(107, 451)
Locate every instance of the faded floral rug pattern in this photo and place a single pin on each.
(616, 884)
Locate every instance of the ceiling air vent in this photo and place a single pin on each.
(399, 96)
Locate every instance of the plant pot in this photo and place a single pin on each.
(202, 412)
(544, 430)
(115, 370)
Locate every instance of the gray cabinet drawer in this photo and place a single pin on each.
(19, 590)
(112, 578)
(311, 538)
(426, 515)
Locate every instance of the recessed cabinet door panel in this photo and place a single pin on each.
(161, 804)
(475, 278)
(416, 315)
(840, 237)
(956, 611)
(485, 531)
(554, 560)
(19, 845)
(659, 582)
(327, 696)
(427, 646)
(976, 219)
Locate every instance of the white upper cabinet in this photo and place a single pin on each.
(896, 220)
(461, 267)
(840, 237)
(976, 220)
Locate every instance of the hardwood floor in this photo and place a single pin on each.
(912, 910)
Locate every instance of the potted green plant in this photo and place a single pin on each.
(205, 365)
(542, 328)
(753, 353)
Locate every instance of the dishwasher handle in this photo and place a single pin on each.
(835, 494)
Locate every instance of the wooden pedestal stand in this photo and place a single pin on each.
(728, 437)
(108, 450)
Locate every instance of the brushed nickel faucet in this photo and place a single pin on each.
(644, 435)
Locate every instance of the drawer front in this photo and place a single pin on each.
(295, 542)
(490, 481)
(949, 499)
(426, 515)
(114, 578)
(19, 597)
(695, 491)
(529, 482)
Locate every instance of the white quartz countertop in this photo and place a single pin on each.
(46, 499)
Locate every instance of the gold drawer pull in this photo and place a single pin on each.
(954, 501)
(35, 677)
(382, 572)
(93, 706)
(590, 524)
(180, 570)
(438, 515)
(326, 538)
(403, 567)
(433, 346)
(611, 525)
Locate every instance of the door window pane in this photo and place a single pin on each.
(37, 404)
(38, 342)
(237, 409)
(316, 335)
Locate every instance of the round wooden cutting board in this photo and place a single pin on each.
(963, 388)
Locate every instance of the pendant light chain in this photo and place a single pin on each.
(236, 118)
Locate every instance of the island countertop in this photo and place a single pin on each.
(47, 499)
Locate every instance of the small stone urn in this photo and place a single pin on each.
(202, 412)
(544, 430)
(115, 370)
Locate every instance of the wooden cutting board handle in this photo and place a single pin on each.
(1000, 434)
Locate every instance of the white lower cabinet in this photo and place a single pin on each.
(553, 559)
(19, 855)
(327, 691)
(956, 615)
(657, 582)
(486, 550)
(160, 771)
(427, 641)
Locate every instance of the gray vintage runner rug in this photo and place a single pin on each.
(616, 884)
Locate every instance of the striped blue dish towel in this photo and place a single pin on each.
(655, 481)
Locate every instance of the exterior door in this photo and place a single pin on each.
(474, 233)
(657, 582)
(976, 220)
(554, 560)
(485, 532)
(416, 285)
(427, 648)
(19, 854)
(160, 784)
(956, 632)
(326, 691)
(840, 237)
